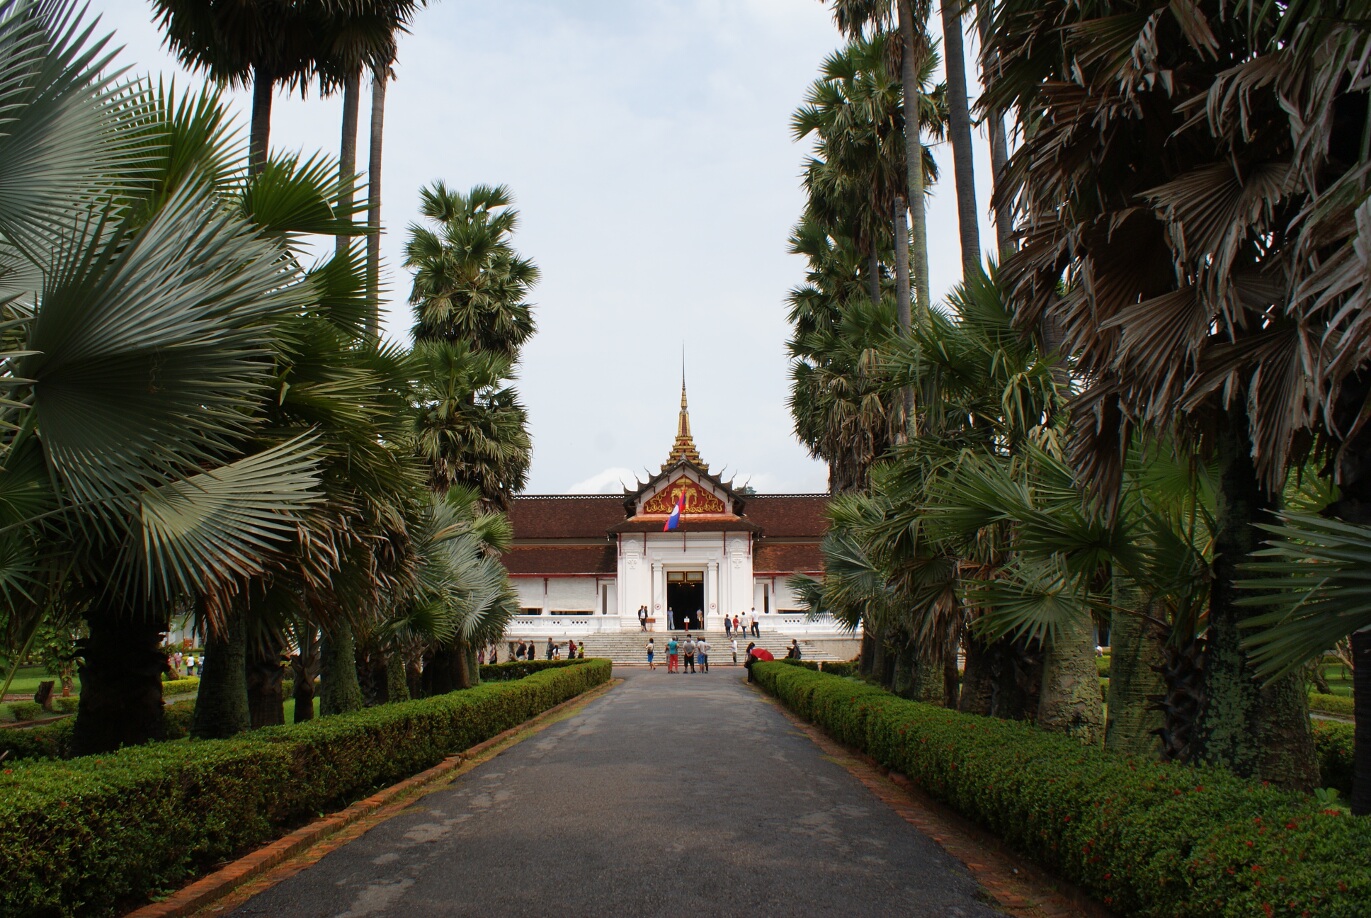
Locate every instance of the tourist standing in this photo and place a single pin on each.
(751, 658)
(651, 650)
(737, 629)
(571, 649)
(689, 654)
(671, 648)
(642, 618)
(702, 652)
(756, 632)
(735, 651)
(550, 648)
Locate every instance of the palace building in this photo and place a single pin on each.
(585, 564)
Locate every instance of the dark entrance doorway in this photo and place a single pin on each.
(685, 599)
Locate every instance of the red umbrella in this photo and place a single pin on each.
(761, 653)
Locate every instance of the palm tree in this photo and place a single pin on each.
(140, 335)
(1170, 221)
(959, 132)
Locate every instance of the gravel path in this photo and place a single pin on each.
(669, 795)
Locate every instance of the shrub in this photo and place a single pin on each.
(518, 669)
(1333, 746)
(66, 705)
(835, 667)
(53, 741)
(1336, 705)
(96, 834)
(26, 710)
(180, 686)
(1142, 837)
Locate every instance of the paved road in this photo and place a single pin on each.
(670, 795)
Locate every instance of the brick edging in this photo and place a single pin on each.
(222, 882)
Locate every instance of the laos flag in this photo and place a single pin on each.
(675, 519)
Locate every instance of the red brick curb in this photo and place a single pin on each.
(1016, 885)
(223, 882)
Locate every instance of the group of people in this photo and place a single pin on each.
(529, 650)
(188, 661)
(685, 655)
(742, 625)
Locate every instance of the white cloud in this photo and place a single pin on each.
(610, 481)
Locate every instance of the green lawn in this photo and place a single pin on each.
(27, 679)
(1339, 680)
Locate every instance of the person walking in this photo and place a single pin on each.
(702, 649)
(728, 627)
(671, 654)
(751, 658)
(756, 632)
(735, 651)
(571, 649)
(642, 618)
(651, 651)
(737, 625)
(689, 654)
(550, 648)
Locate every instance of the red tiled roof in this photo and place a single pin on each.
(801, 557)
(565, 516)
(788, 515)
(562, 559)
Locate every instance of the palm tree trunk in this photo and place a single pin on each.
(978, 679)
(999, 152)
(263, 88)
(902, 306)
(464, 660)
(121, 681)
(873, 275)
(1135, 661)
(397, 683)
(221, 707)
(1251, 730)
(265, 673)
(1070, 702)
(914, 153)
(959, 132)
(347, 150)
(304, 667)
(340, 691)
(378, 117)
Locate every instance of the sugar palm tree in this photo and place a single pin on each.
(1167, 205)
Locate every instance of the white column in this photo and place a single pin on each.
(656, 605)
(711, 593)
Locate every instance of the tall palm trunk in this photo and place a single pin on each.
(1135, 663)
(1070, 702)
(265, 674)
(959, 132)
(1361, 732)
(999, 147)
(121, 680)
(221, 707)
(902, 306)
(378, 117)
(340, 691)
(304, 667)
(873, 275)
(914, 152)
(263, 88)
(347, 148)
(1253, 731)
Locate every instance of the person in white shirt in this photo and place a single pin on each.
(702, 654)
(735, 651)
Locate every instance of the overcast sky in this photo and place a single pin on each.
(648, 148)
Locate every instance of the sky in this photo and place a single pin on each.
(647, 144)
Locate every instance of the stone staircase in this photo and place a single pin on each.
(630, 647)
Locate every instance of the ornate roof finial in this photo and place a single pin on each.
(684, 447)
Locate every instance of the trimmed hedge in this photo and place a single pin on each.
(1141, 837)
(1338, 705)
(99, 833)
(1333, 746)
(836, 668)
(180, 686)
(518, 669)
(53, 741)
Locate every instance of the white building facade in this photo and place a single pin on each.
(588, 563)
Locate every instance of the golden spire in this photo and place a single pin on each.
(684, 447)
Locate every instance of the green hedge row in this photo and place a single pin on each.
(518, 669)
(1333, 746)
(180, 686)
(837, 668)
(1143, 838)
(99, 833)
(1338, 705)
(53, 741)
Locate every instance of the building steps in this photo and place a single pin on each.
(631, 646)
